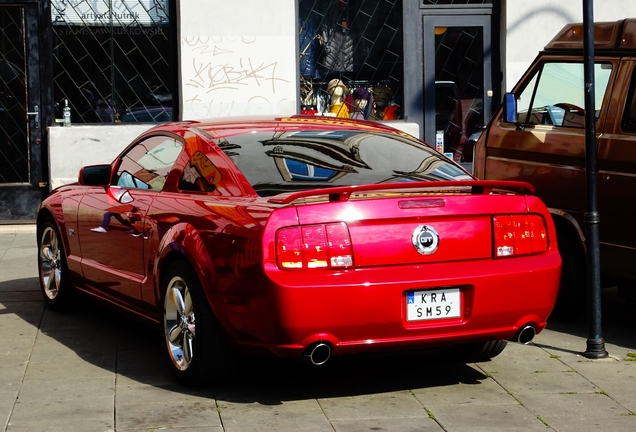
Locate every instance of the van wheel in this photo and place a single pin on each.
(195, 346)
(476, 352)
(572, 287)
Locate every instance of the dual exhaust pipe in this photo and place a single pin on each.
(320, 352)
(525, 334)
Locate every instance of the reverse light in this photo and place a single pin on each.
(314, 246)
(519, 234)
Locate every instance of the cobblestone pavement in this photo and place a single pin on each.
(93, 370)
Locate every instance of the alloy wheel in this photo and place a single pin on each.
(179, 323)
(50, 263)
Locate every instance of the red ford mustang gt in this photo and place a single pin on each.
(300, 237)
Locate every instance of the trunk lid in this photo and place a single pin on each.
(446, 222)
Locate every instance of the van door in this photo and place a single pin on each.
(547, 145)
(617, 176)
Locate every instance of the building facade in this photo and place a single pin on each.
(110, 69)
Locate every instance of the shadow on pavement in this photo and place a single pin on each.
(120, 345)
(618, 324)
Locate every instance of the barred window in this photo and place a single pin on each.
(456, 2)
(112, 60)
(351, 58)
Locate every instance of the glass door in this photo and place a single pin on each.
(21, 118)
(457, 82)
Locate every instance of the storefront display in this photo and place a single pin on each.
(357, 44)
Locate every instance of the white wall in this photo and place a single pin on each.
(71, 148)
(238, 58)
(531, 25)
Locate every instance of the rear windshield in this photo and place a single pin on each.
(296, 160)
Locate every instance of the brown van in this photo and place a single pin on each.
(538, 136)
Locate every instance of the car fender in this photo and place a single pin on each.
(185, 241)
(55, 207)
(52, 206)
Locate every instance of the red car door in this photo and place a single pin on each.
(112, 223)
(112, 232)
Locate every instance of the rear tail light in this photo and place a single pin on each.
(314, 246)
(517, 235)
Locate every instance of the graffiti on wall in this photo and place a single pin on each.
(231, 76)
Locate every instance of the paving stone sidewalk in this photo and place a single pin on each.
(93, 370)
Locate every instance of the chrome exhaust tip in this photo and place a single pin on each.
(526, 334)
(319, 354)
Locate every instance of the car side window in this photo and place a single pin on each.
(555, 94)
(628, 124)
(200, 174)
(147, 164)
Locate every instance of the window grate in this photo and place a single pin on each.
(14, 147)
(112, 60)
(456, 2)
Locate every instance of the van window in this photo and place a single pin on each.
(629, 117)
(555, 94)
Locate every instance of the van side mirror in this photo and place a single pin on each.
(510, 108)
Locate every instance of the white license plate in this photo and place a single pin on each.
(433, 304)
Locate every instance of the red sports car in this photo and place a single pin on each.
(300, 236)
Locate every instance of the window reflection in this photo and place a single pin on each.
(555, 95)
(147, 165)
(299, 160)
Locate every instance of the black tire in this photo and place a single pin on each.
(476, 352)
(53, 269)
(196, 349)
(570, 301)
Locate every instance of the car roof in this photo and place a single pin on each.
(216, 126)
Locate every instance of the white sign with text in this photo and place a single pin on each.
(102, 12)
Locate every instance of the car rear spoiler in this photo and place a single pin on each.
(342, 193)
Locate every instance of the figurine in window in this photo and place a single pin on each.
(360, 103)
(336, 90)
(385, 107)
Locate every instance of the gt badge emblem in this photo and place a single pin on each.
(425, 239)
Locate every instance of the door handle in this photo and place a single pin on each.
(35, 113)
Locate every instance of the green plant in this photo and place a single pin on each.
(430, 414)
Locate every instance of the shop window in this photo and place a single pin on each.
(351, 58)
(113, 60)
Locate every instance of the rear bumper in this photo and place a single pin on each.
(365, 309)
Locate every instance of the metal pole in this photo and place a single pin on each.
(112, 55)
(595, 342)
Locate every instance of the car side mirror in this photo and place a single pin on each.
(510, 108)
(94, 175)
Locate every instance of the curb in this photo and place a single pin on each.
(11, 229)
